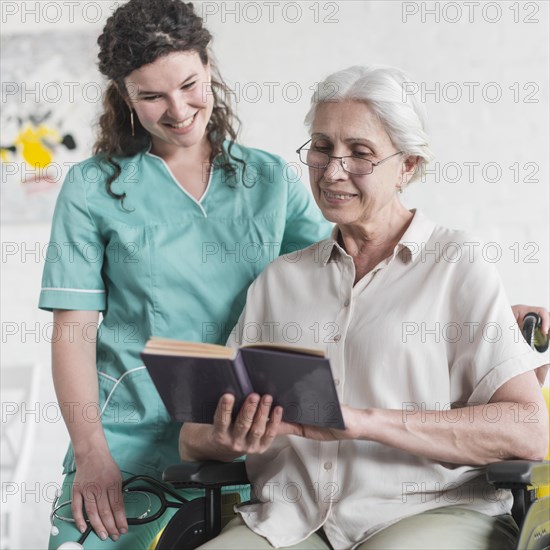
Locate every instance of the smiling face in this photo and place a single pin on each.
(172, 100)
(351, 128)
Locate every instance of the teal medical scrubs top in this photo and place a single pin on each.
(165, 264)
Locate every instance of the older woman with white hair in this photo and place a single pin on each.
(433, 381)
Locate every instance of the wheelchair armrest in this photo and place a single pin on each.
(513, 474)
(206, 475)
(210, 476)
(520, 476)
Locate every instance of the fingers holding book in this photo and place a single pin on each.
(254, 428)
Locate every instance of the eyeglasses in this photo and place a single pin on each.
(352, 165)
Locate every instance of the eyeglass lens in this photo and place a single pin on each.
(320, 160)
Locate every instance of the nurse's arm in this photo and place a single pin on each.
(514, 424)
(97, 482)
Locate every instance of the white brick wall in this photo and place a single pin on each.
(287, 58)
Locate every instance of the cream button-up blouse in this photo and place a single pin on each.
(428, 327)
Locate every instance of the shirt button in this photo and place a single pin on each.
(337, 338)
(327, 465)
(346, 303)
(336, 381)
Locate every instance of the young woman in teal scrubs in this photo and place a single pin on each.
(162, 231)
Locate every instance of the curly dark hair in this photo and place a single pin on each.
(138, 33)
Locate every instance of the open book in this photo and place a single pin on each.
(191, 377)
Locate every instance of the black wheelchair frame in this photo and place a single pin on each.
(199, 520)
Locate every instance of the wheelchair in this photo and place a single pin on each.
(199, 520)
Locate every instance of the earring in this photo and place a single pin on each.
(132, 122)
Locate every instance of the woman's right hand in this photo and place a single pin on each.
(254, 429)
(97, 488)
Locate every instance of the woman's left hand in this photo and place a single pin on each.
(353, 418)
(464, 435)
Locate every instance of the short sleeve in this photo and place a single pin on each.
(305, 223)
(73, 265)
(491, 350)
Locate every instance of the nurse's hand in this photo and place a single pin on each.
(97, 488)
(520, 311)
(254, 429)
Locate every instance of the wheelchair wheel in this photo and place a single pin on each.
(186, 529)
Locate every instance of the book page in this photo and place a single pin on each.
(287, 348)
(167, 346)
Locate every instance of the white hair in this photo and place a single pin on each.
(387, 91)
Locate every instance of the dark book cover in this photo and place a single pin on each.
(302, 384)
(190, 387)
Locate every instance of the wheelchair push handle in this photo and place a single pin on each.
(532, 332)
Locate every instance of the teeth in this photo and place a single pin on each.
(184, 123)
(340, 196)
